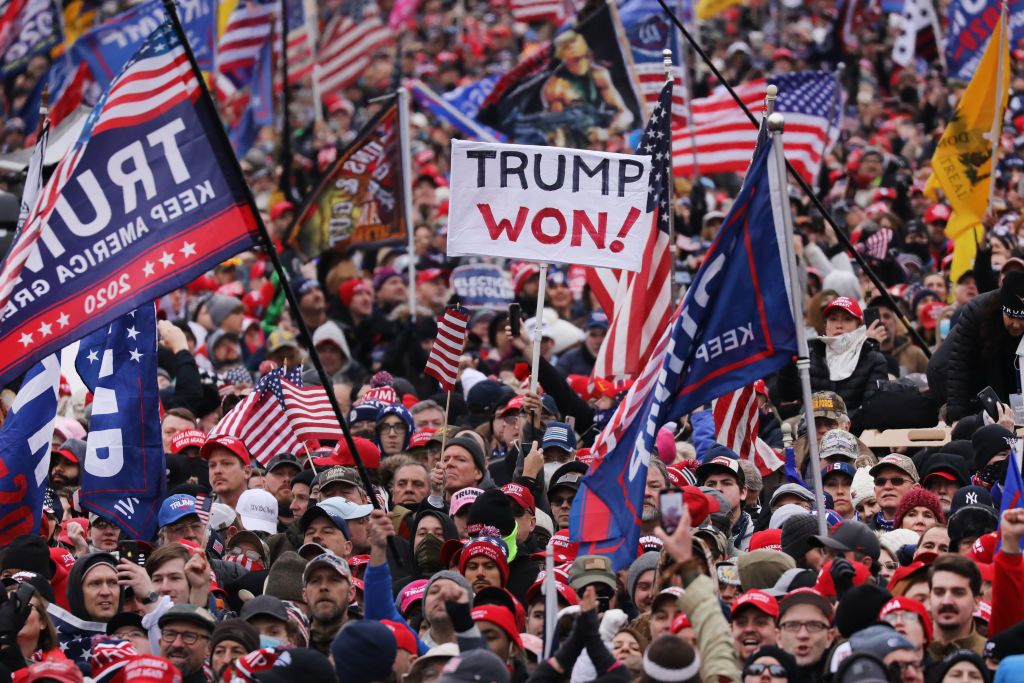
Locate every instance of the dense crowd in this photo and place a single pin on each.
(295, 569)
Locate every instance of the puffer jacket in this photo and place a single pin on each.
(855, 389)
(982, 354)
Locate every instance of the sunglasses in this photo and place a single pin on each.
(895, 481)
(776, 670)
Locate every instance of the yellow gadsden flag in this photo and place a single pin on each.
(962, 164)
(708, 9)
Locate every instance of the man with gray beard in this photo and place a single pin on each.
(657, 479)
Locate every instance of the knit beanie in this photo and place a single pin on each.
(28, 553)
(364, 651)
(451, 576)
(796, 535)
(918, 497)
(988, 442)
(491, 510)
(859, 608)
(237, 631)
(863, 486)
(669, 658)
(284, 580)
(644, 563)
(220, 307)
(473, 446)
(762, 568)
(781, 516)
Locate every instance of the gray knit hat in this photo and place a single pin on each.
(451, 576)
(284, 580)
(644, 563)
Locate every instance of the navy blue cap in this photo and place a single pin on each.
(597, 319)
(329, 512)
(559, 435)
(175, 507)
(844, 467)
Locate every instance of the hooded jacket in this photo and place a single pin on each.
(76, 598)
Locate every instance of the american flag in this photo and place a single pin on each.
(349, 42)
(877, 244)
(530, 11)
(249, 27)
(639, 304)
(310, 412)
(301, 42)
(74, 635)
(266, 423)
(920, 33)
(725, 137)
(737, 423)
(443, 361)
(156, 79)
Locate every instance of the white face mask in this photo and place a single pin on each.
(549, 469)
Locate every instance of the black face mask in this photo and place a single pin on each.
(919, 250)
(993, 473)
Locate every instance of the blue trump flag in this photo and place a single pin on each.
(25, 450)
(108, 47)
(147, 199)
(124, 470)
(259, 110)
(734, 326)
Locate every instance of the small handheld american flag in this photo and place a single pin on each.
(443, 362)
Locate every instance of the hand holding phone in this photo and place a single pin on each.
(871, 314)
(671, 509)
(990, 402)
(515, 319)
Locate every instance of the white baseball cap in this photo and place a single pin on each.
(258, 510)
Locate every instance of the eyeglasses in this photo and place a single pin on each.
(776, 670)
(511, 419)
(903, 666)
(187, 637)
(901, 617)
(889, 566)
(102, 524)
(249, 554)
(811, 626)
(184, 527)
(395, 427)
(559, 501)
(895, 481)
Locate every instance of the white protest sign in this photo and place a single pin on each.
(548, 204)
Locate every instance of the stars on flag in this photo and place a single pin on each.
(26, 339)
(135, 355)
(167, 260)
(45, 329)
(92, 356)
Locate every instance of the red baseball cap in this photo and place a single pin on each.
(150, 669)
(64, 671)
(188, 438)
(937, 213)
(403, 636)
(230, 443)
(930, 314)
(515, 403)
(904, 604)
(984, 611)
(421, 437)
(521, 495)
(758, 600)
(564, 590)
(650, 544)
(769, 539)
(984, 548)
(341, 455)
(847, 304)
(280, 208)
(565, 550)
(699, 504)
(905, 573)
(680, 622)
(500, 617)
(429, 275)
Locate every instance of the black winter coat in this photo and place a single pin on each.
(982, 354)
(855, 390)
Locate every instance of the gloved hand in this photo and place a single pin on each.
(14, 611)
(611, 622)
(843, 574)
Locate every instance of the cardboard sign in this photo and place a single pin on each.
(549, 204)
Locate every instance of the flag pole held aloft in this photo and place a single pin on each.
(268, 244)
(840, 233)
(776, 124)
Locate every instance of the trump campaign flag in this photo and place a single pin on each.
(25, 444)
(148, 198)
(734, 326)
(124, 470)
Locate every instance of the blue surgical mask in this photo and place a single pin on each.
(270, 641)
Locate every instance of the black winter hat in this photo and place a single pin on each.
(475, 451)
(859, 608)
(988, 441)
(1011, 295)
(29, 553)
(491, 508)
(487, 395)
(238, 631)
(1006, 643)
(796, 535)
